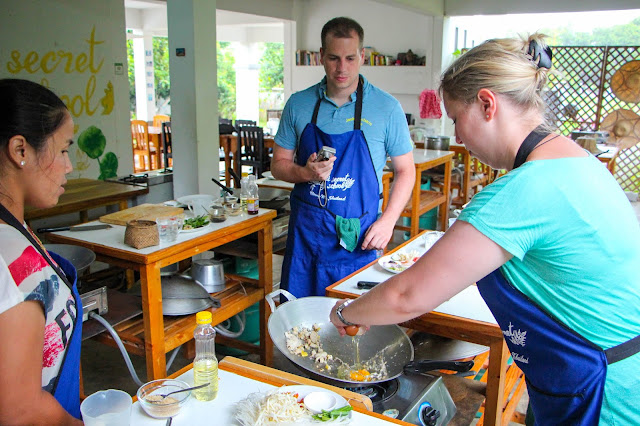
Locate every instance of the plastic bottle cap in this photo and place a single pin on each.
(203, 317)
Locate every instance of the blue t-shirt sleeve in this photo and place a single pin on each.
(286, 136)
(398, 138)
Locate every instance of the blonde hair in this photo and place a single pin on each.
(503, 66)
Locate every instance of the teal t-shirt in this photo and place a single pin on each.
(575, 242)
(383, 121)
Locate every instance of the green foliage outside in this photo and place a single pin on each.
(161, 74)
(226, 80)
(271, 68)
(617, 35)
(131, 72)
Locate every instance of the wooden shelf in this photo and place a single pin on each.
(236, 297)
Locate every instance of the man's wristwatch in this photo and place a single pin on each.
(339, 312)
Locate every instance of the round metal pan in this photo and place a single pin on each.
(81, 258)
(183, 296)
(307, 311)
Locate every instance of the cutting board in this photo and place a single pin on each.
(143, 211)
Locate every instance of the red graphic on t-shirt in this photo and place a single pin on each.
(53, 346)
(29, 262)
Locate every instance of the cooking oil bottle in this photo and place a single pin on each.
(205, 365)
(244, 190)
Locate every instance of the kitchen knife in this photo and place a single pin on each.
(367, 284)
(76, 228)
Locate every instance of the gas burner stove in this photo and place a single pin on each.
(378, 393)
(399, 398)
(135, 179)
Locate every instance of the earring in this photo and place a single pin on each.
(487, 116)
(23, 163)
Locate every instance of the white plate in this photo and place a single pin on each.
(386, 262)
(304, 390)
(430, 238)
(267, 175)
(202, 228)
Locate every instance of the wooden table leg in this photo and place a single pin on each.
(265, 267)
(498, 356)
(153, 322)
(446, 190)
(415, 204)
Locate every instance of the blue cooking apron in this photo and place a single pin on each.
(66, 387)
(314, 259)
(565, 373)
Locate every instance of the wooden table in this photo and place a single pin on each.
(83, 194)
(464, 317)
(229, 143)
(238, 378)
(422, 200)
(154, 335)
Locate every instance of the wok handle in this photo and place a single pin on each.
(421, 367)
(271, 296)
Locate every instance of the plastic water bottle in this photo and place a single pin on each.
(253, 202)
(244, 191)
(205, 365)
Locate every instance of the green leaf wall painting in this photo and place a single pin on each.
(93, 142)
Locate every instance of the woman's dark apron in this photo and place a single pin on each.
(314, 259)
(66, 387)
(565, 373)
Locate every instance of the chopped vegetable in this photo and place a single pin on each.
(326, 416)
(196, 222)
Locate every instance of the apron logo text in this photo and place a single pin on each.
(517, 337)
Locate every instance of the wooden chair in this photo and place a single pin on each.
(251, 150)
(468, 176)
(158, 119)
(167, 147)
(143, 151)
(225, 121)
(240, 123)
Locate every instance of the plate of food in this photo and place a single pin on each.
(267, 175)
(399, 261)
(298, 404)
(196, 223)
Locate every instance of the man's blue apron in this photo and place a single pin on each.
(66, 388)
(314, 258)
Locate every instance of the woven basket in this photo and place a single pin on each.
(141, 233)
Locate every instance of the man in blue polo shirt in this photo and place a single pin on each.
(334, 228)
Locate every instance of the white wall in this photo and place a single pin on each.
(283, 9)
(388, 29)
(95, 94)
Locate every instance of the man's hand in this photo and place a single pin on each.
(319, 170)
(378, 235)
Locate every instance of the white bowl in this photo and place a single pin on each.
(316, 402)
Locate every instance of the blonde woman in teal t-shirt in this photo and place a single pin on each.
(553, 245)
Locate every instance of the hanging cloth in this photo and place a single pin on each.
(314, 258)
(66, 387)
(430, 104)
